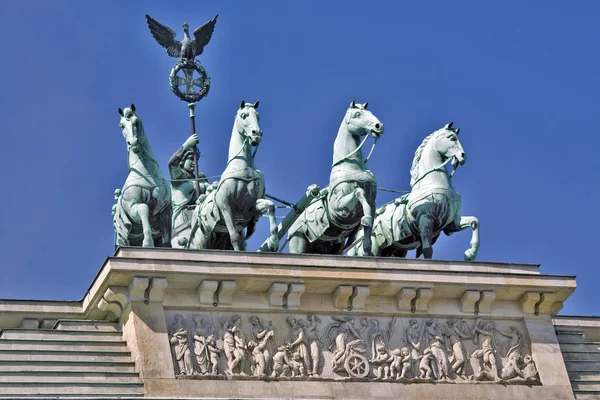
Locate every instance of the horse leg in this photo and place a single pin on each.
(473, 223)
(355, 241)
(141, 213)
(237, 240)
(298, 244)
(375, 249)
(348, 201)
(426, 223)
(366, 221)
(266, 206)
(165, 226)
(400, 253)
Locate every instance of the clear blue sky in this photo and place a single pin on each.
(521, 79)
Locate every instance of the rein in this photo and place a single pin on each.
(347, 156)
(350, 246)
(244, 143)
(436, 169)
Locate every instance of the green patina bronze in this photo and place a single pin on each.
(339, 218)
(415, 220)
(349, 200)
(186, 50)
(142, 215)
(226, 216)
(184, 191)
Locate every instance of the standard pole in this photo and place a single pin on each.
(191, 106)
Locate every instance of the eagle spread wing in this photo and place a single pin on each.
(203, 35)
(165, 36)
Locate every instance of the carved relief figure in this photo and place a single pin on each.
(406, 360)
(264, 334)
(315, 340)
(364, 329)
(512, 368)
(413, 341)
(207, 354)
(234, 346)
(441, 359)
(345, 334)
(529, 371)
(348, 355)
(484, 362)
(455, 336)
(381, 362)
(431, 330)
(396, 365)
(485, 328)
(514, 341)
(296, 341)
(378, 336)
(425, 365)
(296, 364)
(413, 338)
(259, 364)
(181, 350)
(281, 363)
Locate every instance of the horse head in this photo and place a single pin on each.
(446, 143)
(132, 129)
(437, 149)
(361, 121)
(246, 122)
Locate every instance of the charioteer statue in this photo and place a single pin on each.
(186, 187)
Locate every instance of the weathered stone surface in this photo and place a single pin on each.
(388, 304)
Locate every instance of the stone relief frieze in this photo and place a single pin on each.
(212, 345)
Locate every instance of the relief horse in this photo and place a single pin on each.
(416, 220)
(237, 201)
(326, 224)
(143, 210)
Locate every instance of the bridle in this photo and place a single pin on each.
(347, 156)
(138, 124)
(441, 167)
(246, 140)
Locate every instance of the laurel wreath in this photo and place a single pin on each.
(189, 97)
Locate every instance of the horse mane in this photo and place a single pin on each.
(145, 143)
(414, 169)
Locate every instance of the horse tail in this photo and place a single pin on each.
(122, 225)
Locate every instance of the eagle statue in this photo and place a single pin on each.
(188, 48)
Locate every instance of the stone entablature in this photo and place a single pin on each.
(397, 280)
(157, 294)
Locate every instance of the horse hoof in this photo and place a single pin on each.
(470, 255)
(148, 243)
(428, 252)
(366, 220)
(274, 244)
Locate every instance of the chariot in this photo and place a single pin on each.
(353, 361)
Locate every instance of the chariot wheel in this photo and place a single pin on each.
(356, 366)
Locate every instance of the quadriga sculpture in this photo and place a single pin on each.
(238, 201)
(326, 224)
(143, 210)
(415, 220)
